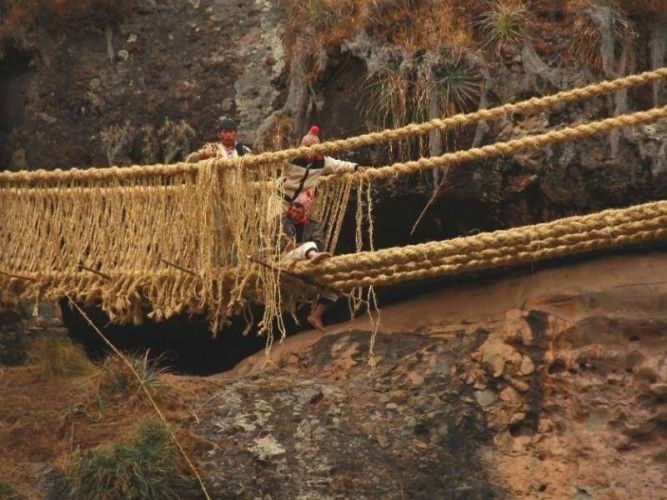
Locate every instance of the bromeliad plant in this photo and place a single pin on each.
(502, 24)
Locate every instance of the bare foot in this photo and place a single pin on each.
(319, 256)
(315, 322)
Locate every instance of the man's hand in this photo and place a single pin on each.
(361, 169)
(316, 256)
(207, 153)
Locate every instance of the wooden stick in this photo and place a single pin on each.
(305, 279)
(188, 271)
(18, 276)
(86, 268)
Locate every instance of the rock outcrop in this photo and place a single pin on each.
(549, 385)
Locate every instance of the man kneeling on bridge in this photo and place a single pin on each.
(306, 242)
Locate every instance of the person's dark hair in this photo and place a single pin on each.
(225, 123)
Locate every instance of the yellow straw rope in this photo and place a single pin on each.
(123, 224)
(509, 147)
(609, 229)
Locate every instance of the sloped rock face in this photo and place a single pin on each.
(325, 425)
(543, 386)
(600, 415)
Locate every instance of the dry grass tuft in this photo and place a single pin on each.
(503, 24)
(587, 42)
(60, 357)
(425, 86)
(118, 379)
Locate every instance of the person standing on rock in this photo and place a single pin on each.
(227, 148)
(305, 241)
(304, 173)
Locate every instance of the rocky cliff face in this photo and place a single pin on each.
(550, 385)
(146, 88)
(542, 385)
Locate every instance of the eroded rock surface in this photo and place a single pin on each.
(324, 425)
(544, 386)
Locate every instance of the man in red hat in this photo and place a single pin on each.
(305, 238)
(228, 147)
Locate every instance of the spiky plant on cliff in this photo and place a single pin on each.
(503, 24)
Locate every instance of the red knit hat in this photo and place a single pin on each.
(311, 137)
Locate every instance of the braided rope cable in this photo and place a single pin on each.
(604, 230)
(395, 278)
(568, 241)
(606, 220)
(506, 148)
(493, 257)
(529, 106)
(574, 235)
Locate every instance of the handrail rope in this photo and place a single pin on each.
(389, 135)
(428, 163)
(506, 148)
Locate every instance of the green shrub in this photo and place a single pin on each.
(7, 492)
(503, 24)
(148, 468)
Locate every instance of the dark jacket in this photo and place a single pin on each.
(302, 233)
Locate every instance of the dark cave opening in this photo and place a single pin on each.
(14, 65)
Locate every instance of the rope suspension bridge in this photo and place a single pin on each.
(196, 238)
(192, 237)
